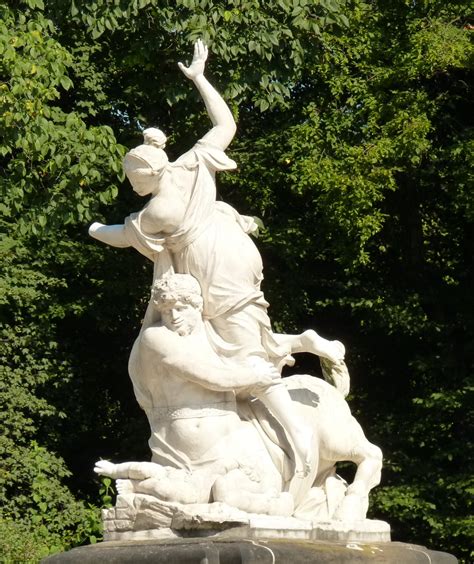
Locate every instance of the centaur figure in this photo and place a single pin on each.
(213, 440)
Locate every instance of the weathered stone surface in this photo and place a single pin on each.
(248, 551)
(260, 527)
(141, 517)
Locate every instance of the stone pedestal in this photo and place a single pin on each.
(259, 527)
(235, 538)
(250, 551)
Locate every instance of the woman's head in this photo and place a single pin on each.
(145, 165)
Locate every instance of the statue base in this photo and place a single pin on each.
(249, 551)
(264, 527)
(219, 534)
(142, 517)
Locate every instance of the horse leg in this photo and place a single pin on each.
(343, 439)
(368, 458)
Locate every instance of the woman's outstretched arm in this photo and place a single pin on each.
(113, 235)
(224, 125)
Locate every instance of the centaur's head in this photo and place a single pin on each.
(179, 300)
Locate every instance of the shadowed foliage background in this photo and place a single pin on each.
(355, 149)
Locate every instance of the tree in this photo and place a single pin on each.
(367, 196)
(48, 190)
(354, 147)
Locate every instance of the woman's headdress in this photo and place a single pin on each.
(148, 159)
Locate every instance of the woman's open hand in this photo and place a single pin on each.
(196, 68)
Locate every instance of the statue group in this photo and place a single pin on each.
(229, 437)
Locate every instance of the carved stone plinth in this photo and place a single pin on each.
(141, 517)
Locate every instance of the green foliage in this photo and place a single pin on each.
(355, 148)
(46, 188)
(269, 41)
(106, 492)
(37, 506)
(55, 162)
(365, 189)
(23, 543)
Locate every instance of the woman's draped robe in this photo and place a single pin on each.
(212, 244)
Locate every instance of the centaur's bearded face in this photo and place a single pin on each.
(180, 317)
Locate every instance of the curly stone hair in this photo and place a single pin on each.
(177, 287)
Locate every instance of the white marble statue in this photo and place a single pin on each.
(206, 365)
(182, 228)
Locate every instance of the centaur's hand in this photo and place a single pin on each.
(196, 68)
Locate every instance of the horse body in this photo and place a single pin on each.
(337, 437)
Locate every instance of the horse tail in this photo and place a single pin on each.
(337, 374)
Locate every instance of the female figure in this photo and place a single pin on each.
(182, 228)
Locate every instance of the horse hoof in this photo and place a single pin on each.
(352, 508)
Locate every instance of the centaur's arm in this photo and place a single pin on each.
(224, 125)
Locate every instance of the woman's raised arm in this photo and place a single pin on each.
(224, 125)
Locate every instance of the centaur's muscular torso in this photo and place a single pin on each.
(187, 393)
